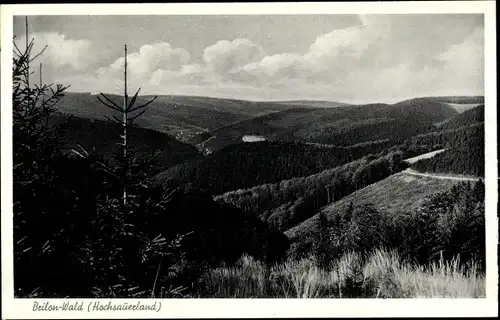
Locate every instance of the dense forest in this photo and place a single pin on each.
(367, 130)
(464, 136)
(284, 204)
(245, 165)
(466, 161)
(341, 126)
(468, 117)
(464, 154)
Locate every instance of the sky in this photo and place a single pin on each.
(350, 58)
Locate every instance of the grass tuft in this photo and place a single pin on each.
(382, 274)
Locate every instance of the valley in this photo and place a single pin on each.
(278, 174)
(248, 156)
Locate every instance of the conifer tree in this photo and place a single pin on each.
(129, 111)
(36, 146)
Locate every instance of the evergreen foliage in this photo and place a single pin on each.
(290, 202)
(87, 225)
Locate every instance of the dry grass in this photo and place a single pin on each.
(381, 275)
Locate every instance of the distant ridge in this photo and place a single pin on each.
(452, 99)
(174, 97)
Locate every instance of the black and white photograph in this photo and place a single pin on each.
(165, 157)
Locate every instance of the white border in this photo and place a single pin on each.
(225, 308)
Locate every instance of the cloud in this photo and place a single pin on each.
(149, 58)
(226, 55)
(328, 58)
(60, 51)
(464, 63)
(382, 58)
(160, 64)
(187, 74)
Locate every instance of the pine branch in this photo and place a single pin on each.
(144, 105)
(39, 54)
(132, 102)
(114, 105)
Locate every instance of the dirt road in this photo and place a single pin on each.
(427, 155)
(440, 176)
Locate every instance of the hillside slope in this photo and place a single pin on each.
(244, 165)
(342, 126)
(180, 116)
(468, 117)
(399, 192)
(102, 136)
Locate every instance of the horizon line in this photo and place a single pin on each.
(396, 100)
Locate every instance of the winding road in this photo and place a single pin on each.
(441, 176)
(427, 155)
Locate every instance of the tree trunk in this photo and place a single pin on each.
(125, 159)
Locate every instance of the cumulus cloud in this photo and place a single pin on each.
(60, 51)
(382, 58)
(187, 74)
(160, 64)
(464, 63)
(149, 58)
(329, 57)
(226, 55)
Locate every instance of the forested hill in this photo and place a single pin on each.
(179, 116)
(245, 165)
(422, 218)
(344, 125)
(460, 99)
(102, 138)
(289, 202)
(466, 135)
(458, 160)
(464, 154)
(468, 117)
